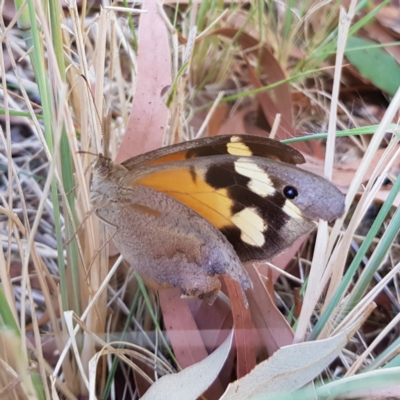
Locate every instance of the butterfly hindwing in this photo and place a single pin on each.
(236, 145)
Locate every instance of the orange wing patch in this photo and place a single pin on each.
(191, 189)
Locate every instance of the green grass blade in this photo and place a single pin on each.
(348, 277)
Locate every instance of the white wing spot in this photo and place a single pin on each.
(238, 149)
(260, 181)
(293, 211)
(251, 225)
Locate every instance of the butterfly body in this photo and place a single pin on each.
(185, 214)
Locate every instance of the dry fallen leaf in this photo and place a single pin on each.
(192, 381)
(290, 368)
(182, 329)
(273, 69)
(272, 328)
(244, 329)
(148, 120)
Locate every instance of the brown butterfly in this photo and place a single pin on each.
(187, 213)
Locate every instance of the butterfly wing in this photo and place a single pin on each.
(262, 206)
(237, 145)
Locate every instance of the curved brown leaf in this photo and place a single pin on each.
(148, 120)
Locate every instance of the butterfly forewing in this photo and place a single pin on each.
(243, 197)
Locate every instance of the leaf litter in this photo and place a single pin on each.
(307, 102)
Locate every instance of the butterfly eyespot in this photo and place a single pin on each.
(290, 192)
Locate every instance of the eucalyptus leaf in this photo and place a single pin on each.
(289, 368)
(374, 63)
(192, 381)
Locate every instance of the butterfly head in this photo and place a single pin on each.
(102, 166)
(105, 177)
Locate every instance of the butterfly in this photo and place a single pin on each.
(185, 214)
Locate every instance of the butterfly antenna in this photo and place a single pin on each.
(105, 141)
(106, 134)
